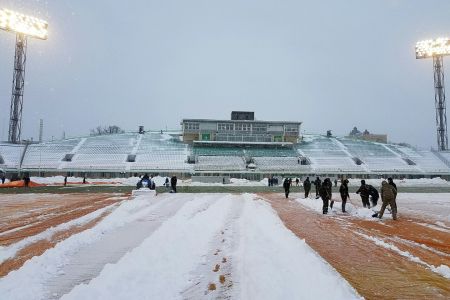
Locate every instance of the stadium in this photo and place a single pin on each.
(219, 207)
(240, 148)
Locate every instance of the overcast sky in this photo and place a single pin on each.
(330, 64)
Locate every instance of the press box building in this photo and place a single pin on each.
(242, 128)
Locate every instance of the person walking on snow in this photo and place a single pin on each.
(373, 195)
(391, 182)
(317, 183)
(329, 185)
(388, 195)
(297, 181)
(324, 193)
(307, 186)
(173, 183)
(286, 186)
(343, 190)
(364, 193)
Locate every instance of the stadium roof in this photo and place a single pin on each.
(240, 121)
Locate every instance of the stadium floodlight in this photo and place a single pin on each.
(437, 49)
(431, 48)
(23, 26)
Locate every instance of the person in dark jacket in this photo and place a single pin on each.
(286, 186)
(3, 178)
(335, 182)
(374, 196)
(146, 181)
(173, 183)
(329, 185)
(26, 180)
(307, 186)
(297, 181)
(343, 190)
(364, 193)
(324, 193)
(65, 180)
(391, 182)
(152, 185)
(317, 184)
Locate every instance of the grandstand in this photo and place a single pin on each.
(129, 153)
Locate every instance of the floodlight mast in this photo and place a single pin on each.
(23, 26)
(15, 117)
(437, 49)
(439, 100)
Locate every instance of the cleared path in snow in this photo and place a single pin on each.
(382, 260)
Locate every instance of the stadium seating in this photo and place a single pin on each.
(11, 155)
(220, 163)
(47, 155)
(280, 164)
(161, 152)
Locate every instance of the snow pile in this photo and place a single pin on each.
(130, 181)
(442, 270)
(233, 182)
(351, 209)
(156, 269)
(272, 263)
(437, 181)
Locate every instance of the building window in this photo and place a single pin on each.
(225, 127)
(191, 126)
(259, 128)
(243, 127)
(291, 128)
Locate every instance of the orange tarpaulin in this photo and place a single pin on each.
(81, 183)
(20, 183)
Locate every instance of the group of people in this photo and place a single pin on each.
(147, 181)
(369, 194)
(388, 193)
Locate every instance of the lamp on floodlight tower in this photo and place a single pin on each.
(437, 49)
(23, 26)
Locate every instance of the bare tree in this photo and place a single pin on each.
(110, 129)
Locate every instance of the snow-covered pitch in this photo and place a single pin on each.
(178, 246)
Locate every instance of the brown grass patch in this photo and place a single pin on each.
(212, 287)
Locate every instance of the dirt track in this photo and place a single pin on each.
(374, 271)
(23, 216)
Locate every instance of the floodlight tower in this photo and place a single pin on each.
(23, 26)
(437, 49)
